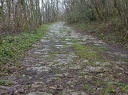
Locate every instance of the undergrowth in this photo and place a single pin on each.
(110, 31)
(14, 46)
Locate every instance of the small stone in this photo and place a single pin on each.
(69, 43)
(42, 40)
(85, 61)
(103, 63)
(67, 39)
(23, 75)
(58, 75)
(35, 45)
(84, 39)
(75, 67)
(39, 93)
(123, 55)
(69, 82)
(59, 46)
(98, 44)
(88, 77)
(37, 53)
(13, 68)
(93, 69)
(37, 84)
(66, 74)
(78, 93)
(74, 93)
(51, 79)
(83, 93)
(39, 69)
(98, 63)
(100, 75)
(19, 91)
(117, 53)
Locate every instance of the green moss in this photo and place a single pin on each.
(126, 60)
(114, 87)
(5, 82)
(73, 40)
(89, 88)
(86, 52)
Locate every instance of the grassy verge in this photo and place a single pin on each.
(89, 52)
(14, 46)
(110, 31)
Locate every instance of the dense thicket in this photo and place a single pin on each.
(114, 12)
(20, 15)
(97, 10)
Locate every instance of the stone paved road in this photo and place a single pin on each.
(66, 62)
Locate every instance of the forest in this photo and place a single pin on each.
(103, 16)
(107, 17)
(22, 15)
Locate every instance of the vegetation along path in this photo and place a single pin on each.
(66, 62)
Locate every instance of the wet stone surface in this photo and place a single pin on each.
(53, 67)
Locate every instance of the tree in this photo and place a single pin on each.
(20, 15)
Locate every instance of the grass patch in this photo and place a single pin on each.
(89, 88)
(14, 46)
(73, 40)
(86, 52)
(114, 88)
(6, 82)
(107, 88)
